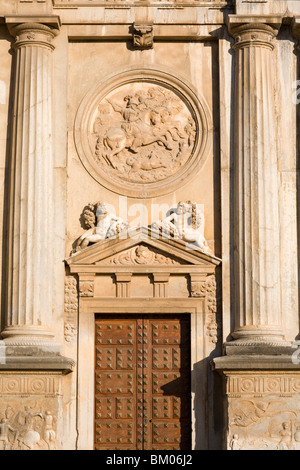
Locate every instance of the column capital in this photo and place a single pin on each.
(253, 30)
(33, 30)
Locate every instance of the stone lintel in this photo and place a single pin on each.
(122, 32)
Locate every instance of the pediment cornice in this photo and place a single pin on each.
(141, 247)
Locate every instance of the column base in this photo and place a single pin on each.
(34, 357)
(257, 340)
(31, 348)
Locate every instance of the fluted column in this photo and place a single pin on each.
(257, 301)
(30, 266)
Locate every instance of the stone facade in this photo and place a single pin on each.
(149, 168)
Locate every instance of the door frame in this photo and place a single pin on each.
(140, 321)
(86, 357)
(171, 279)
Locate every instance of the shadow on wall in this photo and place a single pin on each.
(7, 185)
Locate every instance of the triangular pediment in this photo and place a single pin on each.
(141, 246)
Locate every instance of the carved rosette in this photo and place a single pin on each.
(141, 255)
(86, 288)
(141, 136)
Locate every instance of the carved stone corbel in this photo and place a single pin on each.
(142, 36)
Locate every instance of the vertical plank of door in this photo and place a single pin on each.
(168, 394)
(140, 364)
(147, 344)
(115, 384)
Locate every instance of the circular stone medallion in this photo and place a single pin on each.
(141, 137)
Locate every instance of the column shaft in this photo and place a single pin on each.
(256, 220)
(30, 287)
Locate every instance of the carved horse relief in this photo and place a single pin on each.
(144, 135)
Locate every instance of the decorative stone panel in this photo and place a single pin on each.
(71, 308)
(30, 411)
(263, 411)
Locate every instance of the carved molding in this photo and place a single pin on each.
(205, 287)
(169, 3)
(70, 332)
(86, 288)
(263, 384)
(70, 308)
(198, 288)
(71, 298)
(29, 384)
(213, 327)
(140, 255)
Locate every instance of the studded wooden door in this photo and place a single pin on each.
(142, 383)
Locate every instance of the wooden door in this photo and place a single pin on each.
(142, 383)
